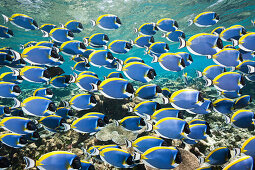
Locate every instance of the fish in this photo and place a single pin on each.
(9, 90)
(199, 131)
(86, 165)
(62, 160)
(167, 25)
(137, 71)
(86, 53)
(54, 123)
(5, 32)
(160, 157)
(205, 108)
(100, 58)
(28, 44)
(120, 46)
(21, 21)
(46, 28)
(186, 57)
(62, 81)
(212, 71)
(143, 41)
(84, 82)
(13, 140)
(158, 48)
(61, 35)
(247, 55)
(246, 67)
(242, 102)
(205, 19)
(223, 106)
(47, 44)
(97, 40)
(218, 156)
(88, 124)
(231, 94)
(227, 57)
(74, 26)
(243, 119)
(218, 30)
(82, 102)
(98, 114)
(247, 148)
(178, 130)
(170, 62)
(202, 44)
(165, 113)
(186, 99)
(10, 77)
(64, 112)
(43, 92)
(14, 54)
(96, 149)
(232, 33)
(166, 92)
(227, 81)
(117, 157)
(245, 161)
(72, 47)
(6, 59)
(132, 123)
(19, 125)
(81, 66)
(148, 91)
(246, 42)
(145, 108)
(174, 35)
(144, 143)
(37, 106)
(114, 75)
(5, 111)
(147, 29)
(107, 22)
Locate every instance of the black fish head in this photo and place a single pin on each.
(7, 110)
(151, 74)
(152, 40)
(35, 24)
(76, 163)
(200, 97)
(100, 123)
(183, 63)
(118, 20)
(22, 140)
(178, 158)
(54, 53)
(158, 89)
(70, 34)
(93, 100)
(128, 45)
(31, 126)
(167, 46)
(130, 88)
(80, 26)
(10, 32)
(186, 128)
(16, 89)
(176, 24)
(208, 129)
(142, 122)
(53, 71)
(82, 46)
(180, 114)
(106, 38)
(70, 113)
(106, 119)
(158, 106)
(52, 107)
(49, 91)
(110, 56)
(190, 58)
(219, 43)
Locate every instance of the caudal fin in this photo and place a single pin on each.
(94, 87)
(45, 34)
(149, 127)
(253, 22)
(251, 69)
(208, 82)
(17, 103)
(190, 22)
(119, 66)
(128, 143)
(93, 22)
(237, 152)
(130, 109)
(17, 55)
(235, 42)
(30, 163)
(155, 59)
(136, 30)
(182, 43)
(199, 73)
(6, 19)
(201, 160)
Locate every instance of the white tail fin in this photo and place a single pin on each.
(105, 77)
(45, 34)
(251, 69)
(237, 152)
(93, 23)
(116, 123)
(136, 30)
(201, 160)
(146, 117)
(119, 66)
(72, 79)
(96, 152)
(209, 56)
(149, 127)
(235, 42)
(227, 119)
(182, 43)
(199, 73)
(155, 59)
(21, 47)
(253, 22)
(66, 127)
(72, 68)
(94, 86)
(131, 42)
(6, 19)
(17, 103)
(17, 55)
(86, 41)
(30, 163)
(208, 82)
(163, 35)
(130, 109)
(61, 25)
(137, 156)
(15, 72)
(86, 60)
(190, 22)
(128, 143)
(165, 100)
(65, 103)
(232, 69)
(105, 47)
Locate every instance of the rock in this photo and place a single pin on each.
(189, 161)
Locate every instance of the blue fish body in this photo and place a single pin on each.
(63, 112)
(171, 62)
(248, 147)
(247, 55)
(146, 107)
(228, 81)
(132, 123)
(23, 21)
(146, 142)
(74, 26)
(223, 106)
(72, 47)
(147, 29)
(52, 123)
(159, 47)
(10, 77)
(164, 113)
(246, 42)
(203, 109)
(11, 140)
(231, 94)
(7, 90)
(212, 71)
(5, 32)
(81, 66)
(206, 19)
(47, 27)
(242, 102)
(243, 119)
(98, 40)
(167, 25)
(218, 156)
(86, 124)
(144, 41)
(119, 46)
(233, 32)
(148, 91)
(115, 75)
(99, 58)
(61, 35)
(60, 81)
(175, 35)
(108, 22)
(197, 132)
(228, 57)
(83, 102)
(84, 82)
(244, 163)
(43, 92)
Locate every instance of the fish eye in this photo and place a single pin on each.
(158, 89)
(22, 140)
(128, 46)
(36, 135)
(70, 113)
(52, 107)
(4, 162)
(106, 38)
(186, 128)
(100, 122)
(178, 158)
(244, 31)
(82, 46)
(151, 74)
(152, 40)
(208, 129)
(176, 24)
(118, 20)
(241, 57)
(106, 119)
(243, 80)
(35, 23)
(158, 106)
(54, 53)
(183, 35)
(31, 126)
(16, 89)
(110, 56)
(129, 160)
(200, 97)
(91, 167)
(183, 62)
(167, 46)
(10, 32)
(180, 114)
(8, 57)
(70, 34)
(190, 58)
(80, 25)
(99, 82)
(219, 43)
(142, 122)
(76, 163)
(130, 88)
(93, 100)
(7, 110)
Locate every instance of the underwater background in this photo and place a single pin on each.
(132, 13)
